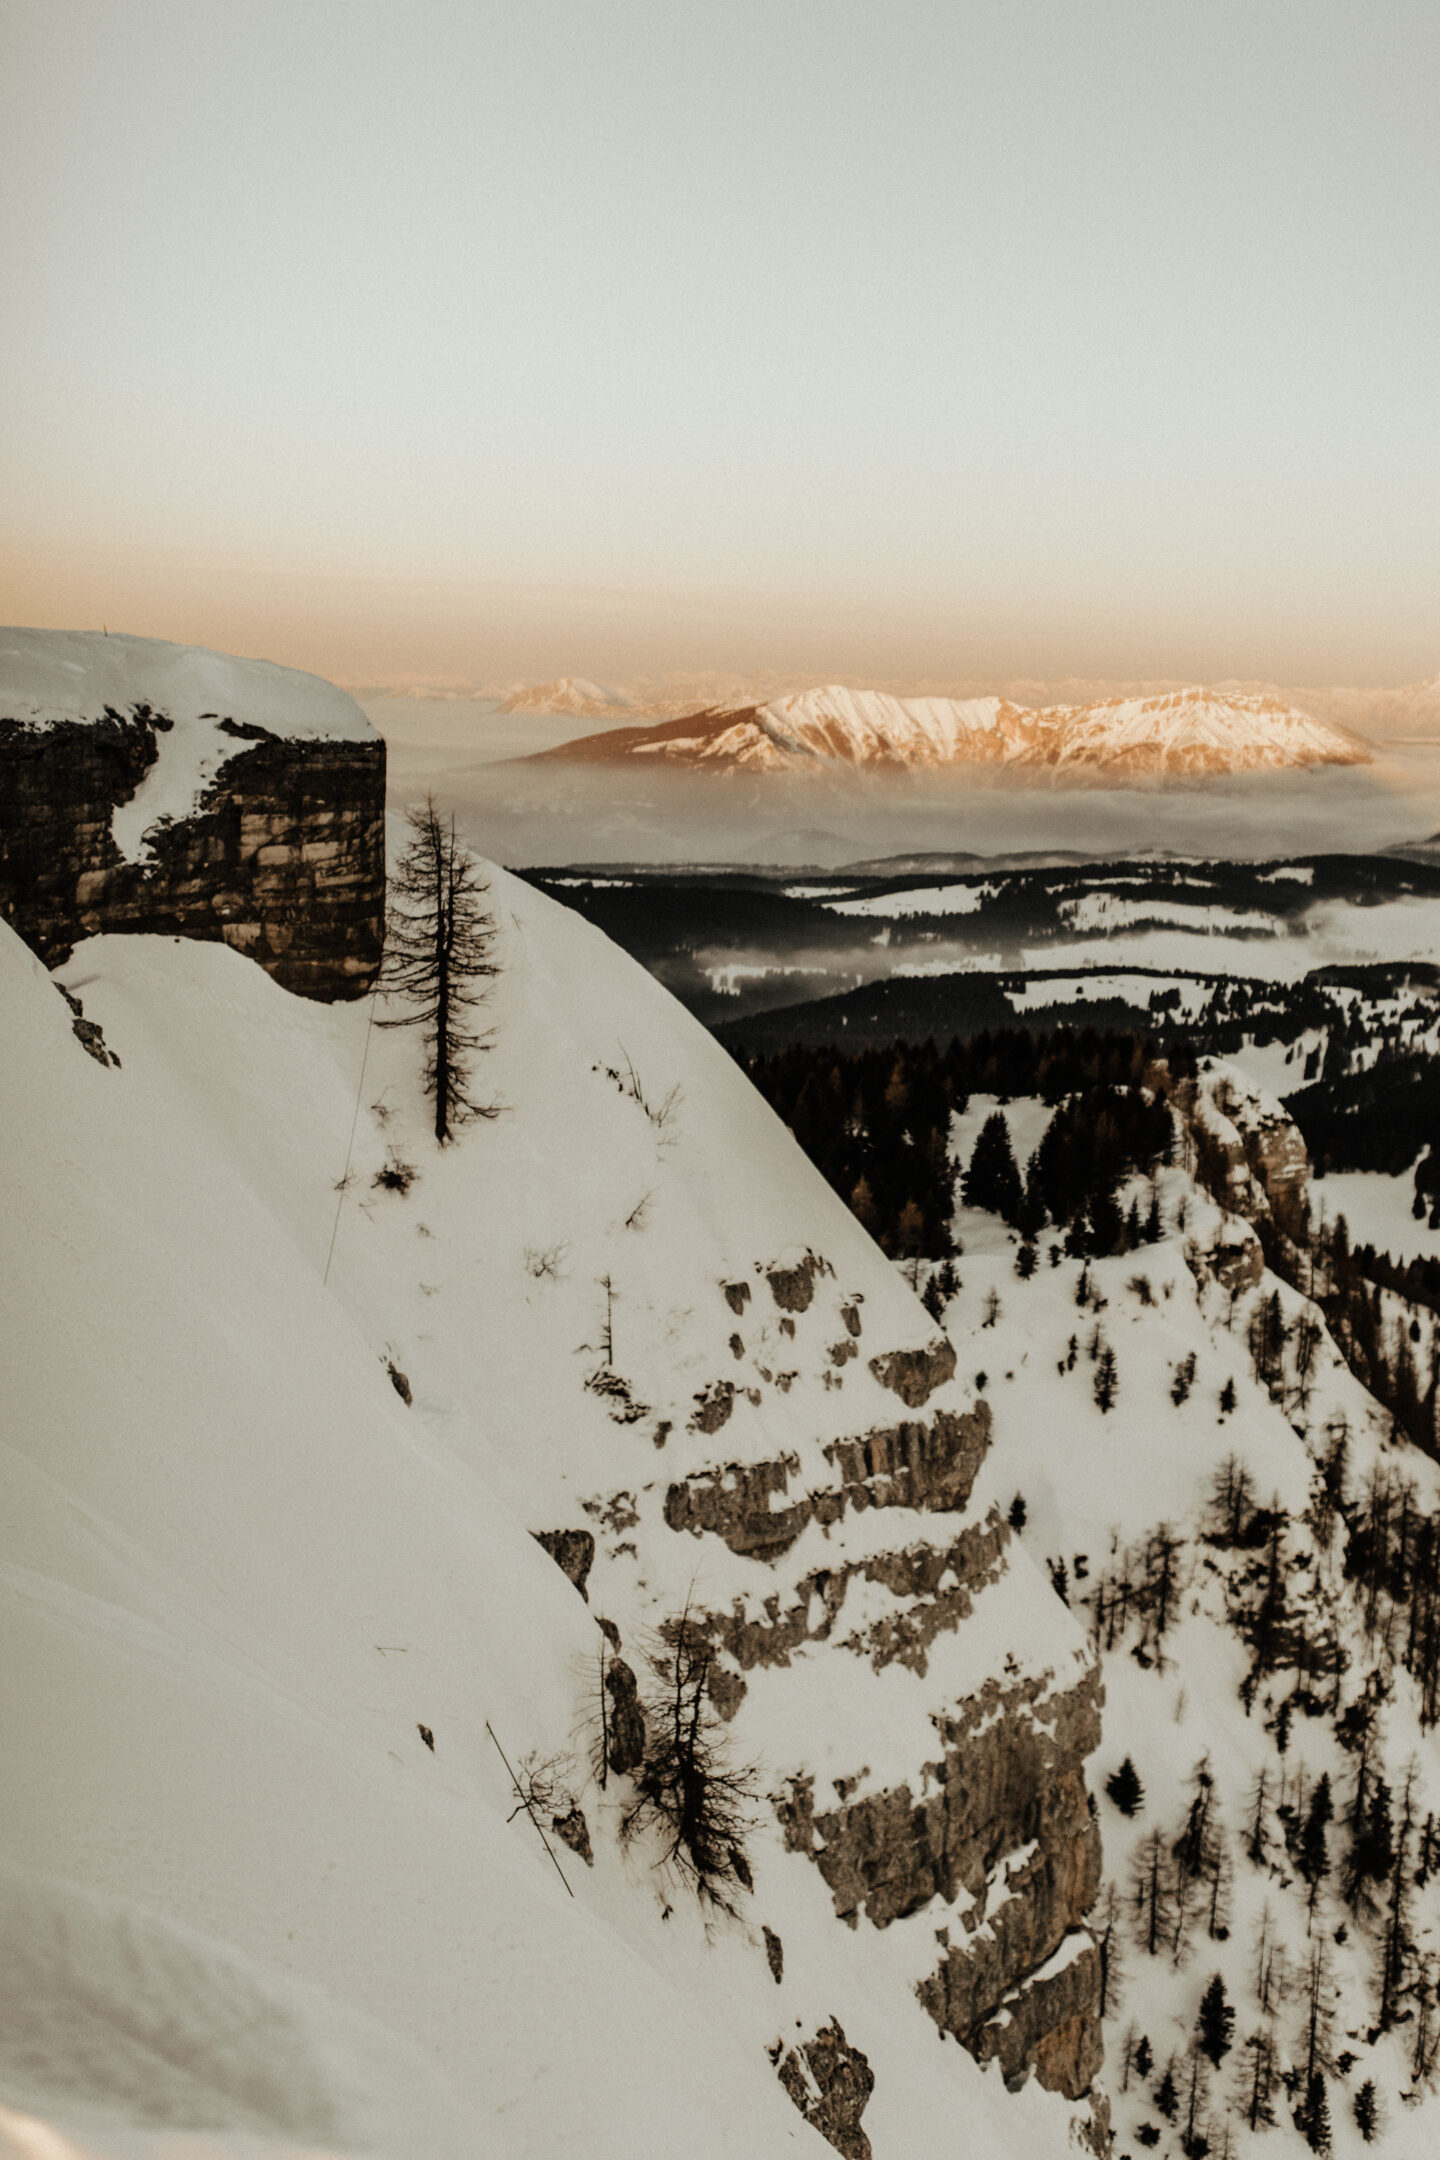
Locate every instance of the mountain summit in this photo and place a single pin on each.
(1182, 732)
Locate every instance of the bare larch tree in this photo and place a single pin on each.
(439, 938)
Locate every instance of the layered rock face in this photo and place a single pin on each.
(989, 1835)
(1251, 1159)
(154, 788)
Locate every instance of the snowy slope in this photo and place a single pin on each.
(1184, 731)
(240, 1574)
(237, 1579)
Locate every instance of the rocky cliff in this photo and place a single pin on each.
(153, 787)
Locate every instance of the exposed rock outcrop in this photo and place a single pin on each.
(831, 2083)
(938, 1582)
(1250, 1153)
(573, 1552)
(793, 1288)
(624, 1719)
(1002, 1817)
(270, 841)
(1050, 2022)
(914, 1375)
(918, 1464)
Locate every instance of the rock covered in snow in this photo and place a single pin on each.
(156, 787)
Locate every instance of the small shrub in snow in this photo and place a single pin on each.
(397, 1176)
(662, 1111)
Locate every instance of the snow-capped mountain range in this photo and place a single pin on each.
(569, 694)
(835, 728)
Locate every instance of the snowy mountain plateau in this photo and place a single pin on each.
(1190, 731)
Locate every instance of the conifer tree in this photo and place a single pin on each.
(1367, 2111)
(1397, 1949)
(1107, 1382)
(1312, 1856)
(1124, 1787)
(439, 938)
(1196, 2095)
(1260, 2081)
(1257, 1836)
(1105, 1928)
(992, 1181)
(1215, 2025)
(1315, 2120)
(1152, 1894)
(1269, 1966)
(1167, 2096)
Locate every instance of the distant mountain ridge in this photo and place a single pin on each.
(1179, 732)
(570, 694)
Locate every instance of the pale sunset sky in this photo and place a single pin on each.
(474, 340)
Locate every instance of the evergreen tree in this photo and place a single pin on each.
(1019, 1513)
(1227, 1399)
(1215, 2025)
(438, 943)
(992, 1181)
(1312, 1856)
(1144, 2056)
(1124, 1788)
(1367, 2111)
(1167, 2097)
(1315, 2120)
(1107, 1384)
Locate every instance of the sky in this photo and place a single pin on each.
(476, 341)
